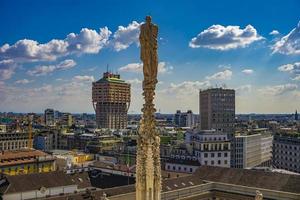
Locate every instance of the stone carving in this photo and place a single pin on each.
(148, 169)
(259, 195)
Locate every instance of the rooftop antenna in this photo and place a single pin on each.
(107, 67)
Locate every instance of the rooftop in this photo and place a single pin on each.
(22, 156)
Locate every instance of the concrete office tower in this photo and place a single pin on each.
(217, 110)
(184, 119)
(286, 151)
(49, 117)
(253, 149)
(111, 100)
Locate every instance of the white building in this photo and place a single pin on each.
(183, 165)
(49, 117)
(210, 147)
(286, 152)
(253, 149)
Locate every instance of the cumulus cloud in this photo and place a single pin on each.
(278, 89)
(296, 78)
(292, 68)
(84, 78)
(23, 81)
(87, 41)
(7, 69)
(274, 32)
(225, 37)
(248, 71)
(47, 69)
(134, 81)
(125, 36)
(289, 44)
(223, 75)
(186, 87)
(138, 68)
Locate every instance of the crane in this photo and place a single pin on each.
(30, 145)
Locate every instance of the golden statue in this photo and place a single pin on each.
(148, 169)
(148, 42)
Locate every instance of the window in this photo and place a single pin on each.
(219, 162)
(191, 169)
(205, 162)
(212, 155)
(225, 155)
(205, 155)
(219, 154)
(225, 162)
(212, 162)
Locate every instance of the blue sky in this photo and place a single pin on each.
(51, 51)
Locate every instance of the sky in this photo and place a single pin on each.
(52, 50)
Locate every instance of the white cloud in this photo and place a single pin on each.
(132, 67)
(248, 71)
(224, 66)
(23, 81)
(274, 32)
(223, 75)
(125, 36)
(296, 78)
(134, 81)
(224, 38)
(7, 69)
(186, 87)
(278, 89)
(87, 41)
(289, 44)
(84, 78)
(138, 68)
(243, 89)
(292, 68)
(47, 69)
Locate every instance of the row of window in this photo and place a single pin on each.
(179, 168)
(287, 146)
(212, 155)
(212, 162)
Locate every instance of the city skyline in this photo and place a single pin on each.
(51, 52)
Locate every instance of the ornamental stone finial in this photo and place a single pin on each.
(148, 169)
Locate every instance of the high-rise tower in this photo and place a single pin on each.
(217, 110)
(111, 100)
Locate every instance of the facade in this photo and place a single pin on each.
(66, 119)
(210, 147)
(252, 150)
(182, 165)
(49, 117)
(217, 110)
(13, 141)
(2, 128)
(26, 161)
(111, 99)
(184, 119)
(286, 152)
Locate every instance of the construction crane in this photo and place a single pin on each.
(30, 145)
